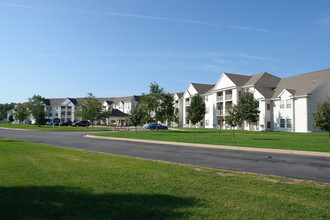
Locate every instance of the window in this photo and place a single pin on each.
(282, 104)
(282, 123)
(288, 103)
(288, 123)
(268, 107)
(268, 124)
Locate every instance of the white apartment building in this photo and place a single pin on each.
(64, 108)
(285, 104)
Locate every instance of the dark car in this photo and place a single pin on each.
(67, 123)
(81, 124)
(154, 126)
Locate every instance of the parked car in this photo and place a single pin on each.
(81, 124)
(67, 123)
(154, 126)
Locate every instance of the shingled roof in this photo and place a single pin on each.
(202, 88)
(237, 79)
(302, 84)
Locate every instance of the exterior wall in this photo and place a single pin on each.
(283, 113)
(178, 107)
(210, 100)
(321, 94)
(300, 112)
(186, 103)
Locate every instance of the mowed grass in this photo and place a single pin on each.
(276, 140)
(51, 128)
(44, 182)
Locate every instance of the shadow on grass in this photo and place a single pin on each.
(9, 140)
(75, 203)
(266, 139)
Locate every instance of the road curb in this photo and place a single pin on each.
(279, 151)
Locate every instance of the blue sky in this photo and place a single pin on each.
(68, 48)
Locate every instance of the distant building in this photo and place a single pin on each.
(65, 108)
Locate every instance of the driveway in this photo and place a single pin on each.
(269, 163)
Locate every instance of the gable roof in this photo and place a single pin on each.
(263, 80)
(179, 94)
(202, 88)
(53, 101)
(302, 84)
(118, 113)
(237, 79)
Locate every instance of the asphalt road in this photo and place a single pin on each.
(287, 165)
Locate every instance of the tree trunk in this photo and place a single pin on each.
(233, 133)
(135, 130)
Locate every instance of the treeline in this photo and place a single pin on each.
(4, 108)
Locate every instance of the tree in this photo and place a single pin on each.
(321, 118)
(21, 112)
(36, 106)
(234, 118)
(221, 119)
(157, 105)
(105, 115)
(91, 109)
(4, 108)
(197, 109)
(136, 117)
(248, 108)
(11, 118)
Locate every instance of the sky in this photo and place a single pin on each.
(114, 48)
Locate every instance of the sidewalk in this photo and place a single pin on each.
(279, 151)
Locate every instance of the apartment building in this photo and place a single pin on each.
(64, 108)
(285, 104)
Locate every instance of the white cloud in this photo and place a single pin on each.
(146, 17)
(254, 57)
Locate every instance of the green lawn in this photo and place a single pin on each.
(44, 182)
(275, 140)
(51, 128)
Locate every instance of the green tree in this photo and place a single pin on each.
(321, 118)
(11, 118)
(90, 109)
(4, 108)
(248, 108)
(196, 110)
(157, 105)
(234, 118)
(21, 112)
(105, 115)
(36, 106)
(136, 117)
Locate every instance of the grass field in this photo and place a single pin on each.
(51, 128)
(275, 140)
(44, 182)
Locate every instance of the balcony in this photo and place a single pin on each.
(220, 112)
(219, 98)
(228, 97)
(187, 103)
